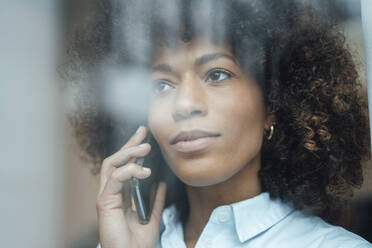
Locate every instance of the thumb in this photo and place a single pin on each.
(159, 202)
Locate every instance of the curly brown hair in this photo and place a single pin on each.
(310, 84)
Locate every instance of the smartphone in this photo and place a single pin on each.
(143, 190)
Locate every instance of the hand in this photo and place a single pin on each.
(118, 222)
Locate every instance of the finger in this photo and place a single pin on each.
(123, 156)
(127, 203)
(119, 176)
(136, 138)
(159, 202)
(118, 159)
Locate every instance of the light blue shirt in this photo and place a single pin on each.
(259, 222)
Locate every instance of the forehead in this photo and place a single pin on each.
(188, 51)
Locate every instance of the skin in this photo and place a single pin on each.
(211, 94)
(187, 97)
(118, 223)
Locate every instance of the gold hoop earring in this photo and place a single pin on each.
(271, 132)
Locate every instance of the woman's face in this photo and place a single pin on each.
(200, 92)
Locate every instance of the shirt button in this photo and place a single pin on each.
(223, 216)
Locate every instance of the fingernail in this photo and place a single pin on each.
(138, 129)
(143, 145)
(145, 169)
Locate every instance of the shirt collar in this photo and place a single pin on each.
(257, 214)
(252, 216)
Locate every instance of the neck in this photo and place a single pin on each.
(203, 200)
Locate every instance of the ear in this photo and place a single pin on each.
(270, 119)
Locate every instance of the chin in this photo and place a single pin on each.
(202, 179)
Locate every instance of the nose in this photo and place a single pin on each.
(190, 100)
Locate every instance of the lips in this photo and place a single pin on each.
(193, 141)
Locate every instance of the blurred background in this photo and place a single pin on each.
(47, 190)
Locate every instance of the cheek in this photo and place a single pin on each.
(242, 110)
(159, 119)
(242, 115)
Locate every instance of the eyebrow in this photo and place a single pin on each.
(199, 62)
(213, 56)
(162, 68)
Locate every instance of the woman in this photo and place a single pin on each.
(258, 117)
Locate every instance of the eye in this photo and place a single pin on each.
(160, 86)
(217, 75)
